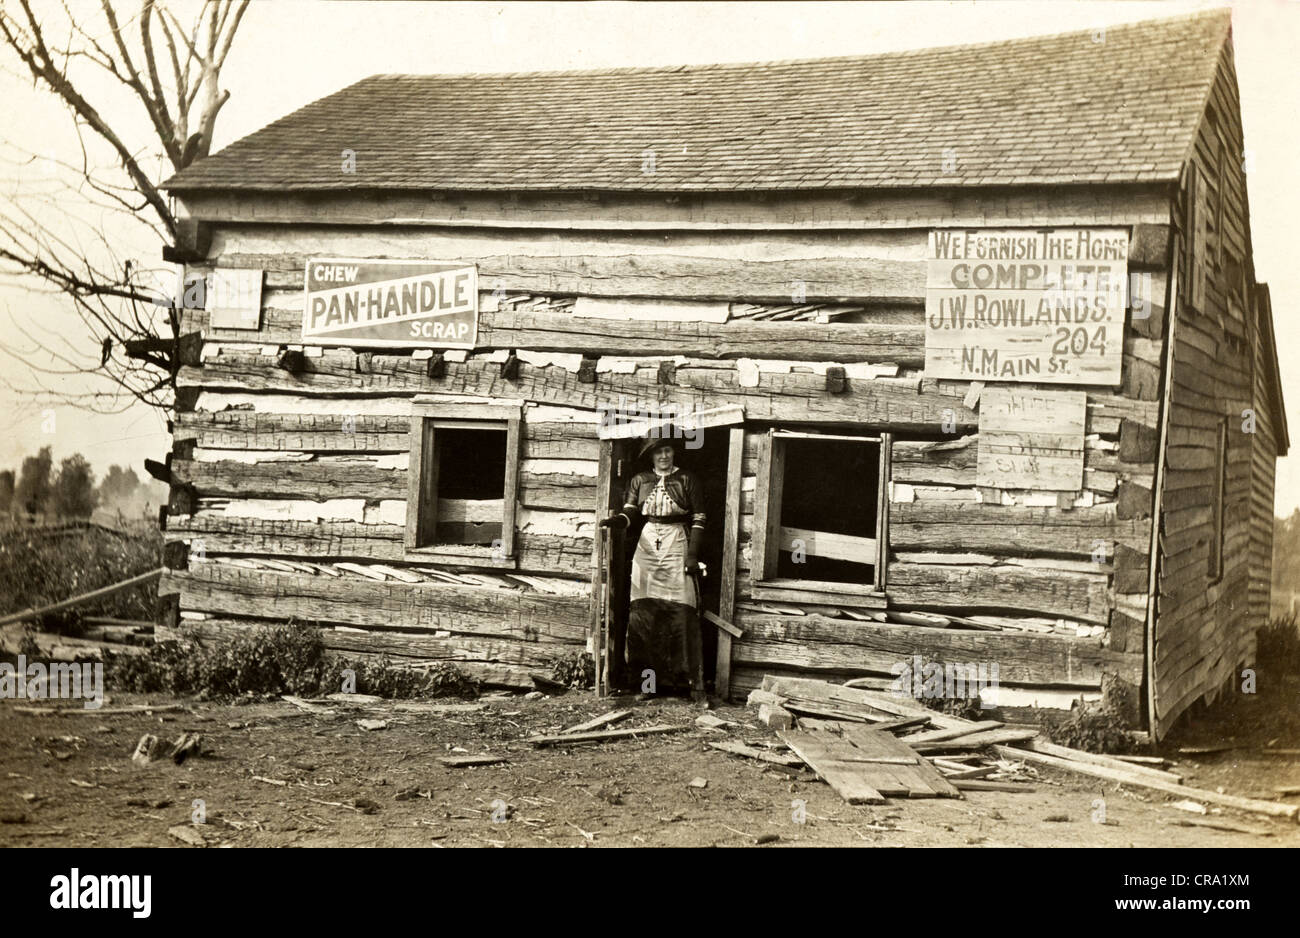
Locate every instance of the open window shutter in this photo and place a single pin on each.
(766, 540)
(422, 484)
(882, 508)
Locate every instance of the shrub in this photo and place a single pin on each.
(1092, 728)
(271, 661)
(1277, 645)
(577, 669)
(39, 567)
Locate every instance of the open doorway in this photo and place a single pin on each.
(705, 456)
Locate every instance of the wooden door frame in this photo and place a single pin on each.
(606, 499)
(730, 548)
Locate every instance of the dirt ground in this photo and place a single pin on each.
(68, 780)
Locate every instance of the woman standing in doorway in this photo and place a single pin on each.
(663, 630)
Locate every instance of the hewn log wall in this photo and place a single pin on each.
(306, 469)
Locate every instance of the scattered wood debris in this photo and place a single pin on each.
(847, 735)
(862, 763)
(187, 834)
(1219, 824)
(356, 700)
(778, 718)
(708, 721)
(750, 752)
(605, 719)
(1204, 750)
(147, 749)
(101, 712)
(459, 762)
(602, 735)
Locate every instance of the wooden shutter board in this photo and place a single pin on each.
(822, 751)
(730, 546)
(922, 779)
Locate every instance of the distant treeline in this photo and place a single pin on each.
(1286, 556)
(38, 491)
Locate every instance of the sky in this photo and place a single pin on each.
(291, 52)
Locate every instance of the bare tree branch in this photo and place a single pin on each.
(59, 245)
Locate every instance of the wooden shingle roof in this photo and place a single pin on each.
(1072, 108)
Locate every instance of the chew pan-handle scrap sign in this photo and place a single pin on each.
(390, 303)
(1031, 439)
(1037, 305)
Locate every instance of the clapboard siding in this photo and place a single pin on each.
(1205, 626)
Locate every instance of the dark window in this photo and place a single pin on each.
(463, 482)
(819, 498)
(829, 498)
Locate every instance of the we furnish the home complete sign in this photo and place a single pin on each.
(390, 303)
(1043, 305)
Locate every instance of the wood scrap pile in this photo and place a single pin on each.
(869, 745)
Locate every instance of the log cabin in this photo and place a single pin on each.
(965, 342)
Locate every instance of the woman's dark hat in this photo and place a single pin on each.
(669, 437)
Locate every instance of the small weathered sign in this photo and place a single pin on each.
(390, 303)
(234, 300)
(1033, 305)
(1031, 439)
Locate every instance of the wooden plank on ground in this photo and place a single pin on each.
(1133, 778)
(822, 752)
(460, 762)
(852, 703)
(935, 736)
(979, 740)
(605, 719)
(602, 735)
(753, 752)
(921, 779)
(1077, 755)
(978, 784)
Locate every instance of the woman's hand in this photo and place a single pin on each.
(614, 521)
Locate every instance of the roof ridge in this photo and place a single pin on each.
(1225, 12)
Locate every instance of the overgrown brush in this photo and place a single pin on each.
(1092, 728)
(968, 708)
(39, 567)
(577, 669)
(274, 660)
(1277, 645)
(1099, 727)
